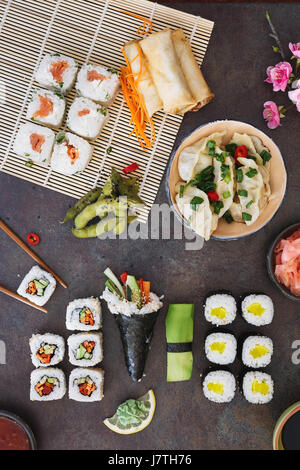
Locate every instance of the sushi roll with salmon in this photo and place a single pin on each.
(37, 286)
(85, 349)
(220, 309)
(71, 154)
(35, 143)
(86, 385)
(46, 107)
(46, 350)
(100, 84)
(257, 351)
(258, 387)
(47, 384)
(84, 314)
(258, 309)
(87, 118)
(219, 386)
(57, 71)
(135, 309)
(220, 348)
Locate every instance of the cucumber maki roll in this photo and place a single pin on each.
(37, 286)
(135, 309)
(86, 385)
(47, 384)
(46, 350)
(84, 314)
(85, 349)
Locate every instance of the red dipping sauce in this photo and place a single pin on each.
(12, 436)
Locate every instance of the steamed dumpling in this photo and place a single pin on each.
(245, 139)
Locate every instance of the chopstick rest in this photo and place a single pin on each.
(179, 335)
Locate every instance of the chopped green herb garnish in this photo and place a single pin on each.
(227, 194)
(107, 97)
(220, 157)
(195, 202)
(211, 144)
(181, 190)
(246, 217)
(266, 156)
(228, 217)
(211, 152)
(205, 180)
(217, 205)
(32, 119)
(112, 70)
(227, 178)
(27, 154)
(231, 148)
(109, 150)
(59, 95)
(29, 163)
(56, 54)
(60, 138)
(61, 84)
(225, 173)
(251, 173)
(243, 192)
(252, 157)
(103, 111)
(239, 175)
(249, 204)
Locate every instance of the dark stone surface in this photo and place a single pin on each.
(235, 64)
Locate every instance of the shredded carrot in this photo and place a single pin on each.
(146, 291)
(145, 28)
(140, 118)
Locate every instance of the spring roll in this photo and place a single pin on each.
(193, 75)
(166, 72)
(144, 84)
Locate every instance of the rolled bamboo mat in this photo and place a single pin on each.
(89, 31)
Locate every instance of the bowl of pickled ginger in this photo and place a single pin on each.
(226, 180)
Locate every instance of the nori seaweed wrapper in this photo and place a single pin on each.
(136, 334)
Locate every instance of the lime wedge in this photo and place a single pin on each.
(148, 403)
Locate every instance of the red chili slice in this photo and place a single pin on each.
(130, 168)
(213, 196)
(123, 278)
(33, 239)
(241, 152)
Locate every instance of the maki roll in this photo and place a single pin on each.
(220, 348)
(85, 349)
(258, 387)
(100, 84)
(86, 385)
(57, 71)
(87, 118)
(257, 351)
(34, 143)
(37, 286)
(135, 309)
(46, 107)
(71, 154)
(258, 309)
(47, 384)
(219, 386)
(46, 350)
(220, 309)
(84, 314)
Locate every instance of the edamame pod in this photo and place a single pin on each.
(83, 202)
(99, 208)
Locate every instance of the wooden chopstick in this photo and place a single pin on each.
(31, 253)
(21, 299)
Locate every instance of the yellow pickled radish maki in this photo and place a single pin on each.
(258, 309)
(258, 387)
(220, 309)
(220, 348)
(219, 386)
(133, 415)
(257, 351)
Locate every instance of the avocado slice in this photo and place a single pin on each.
(136, 295)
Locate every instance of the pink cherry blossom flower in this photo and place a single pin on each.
(294, 96)
(279, 75)
(295, 49)
(271, 114)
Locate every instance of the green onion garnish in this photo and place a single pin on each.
(251, 173)
(246, 216)
(239, 175)
(228, 217)
(243, 192)
(195, 202)
(266, 156)
(227, 194)
(217, 205)
(249, 204)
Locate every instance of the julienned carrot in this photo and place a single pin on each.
(142, 30)
(146, 291)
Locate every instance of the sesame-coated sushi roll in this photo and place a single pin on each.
(257, 351)
(258, 309)
(220, 348)
(84, 314)
(86, 385)
(86, 118)
(85, 349)
(219, 386)
(57, 71)
(46, 350)
(47, 384)
(71, 154)
(37, 286)
(220, 309)
(100, 84)
(258, 387)
(46, 107)
(34, 143)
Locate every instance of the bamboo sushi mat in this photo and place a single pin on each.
(89, 31)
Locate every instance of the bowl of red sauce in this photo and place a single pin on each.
(15, 434)
(283, 262)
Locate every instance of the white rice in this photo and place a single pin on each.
(42, 372)
(88, 125)
(220, 348)
(23, 146)
(54, 118)
(116, 305)
(96, 375)
(220, 301)
(259, 318)
(74, 342)
(60, 160)
(257, 397)
(45, 78)
(36, 341)
(222, 379)
(36, 273)
(251, 352)
(100, 90)
(73, 314)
